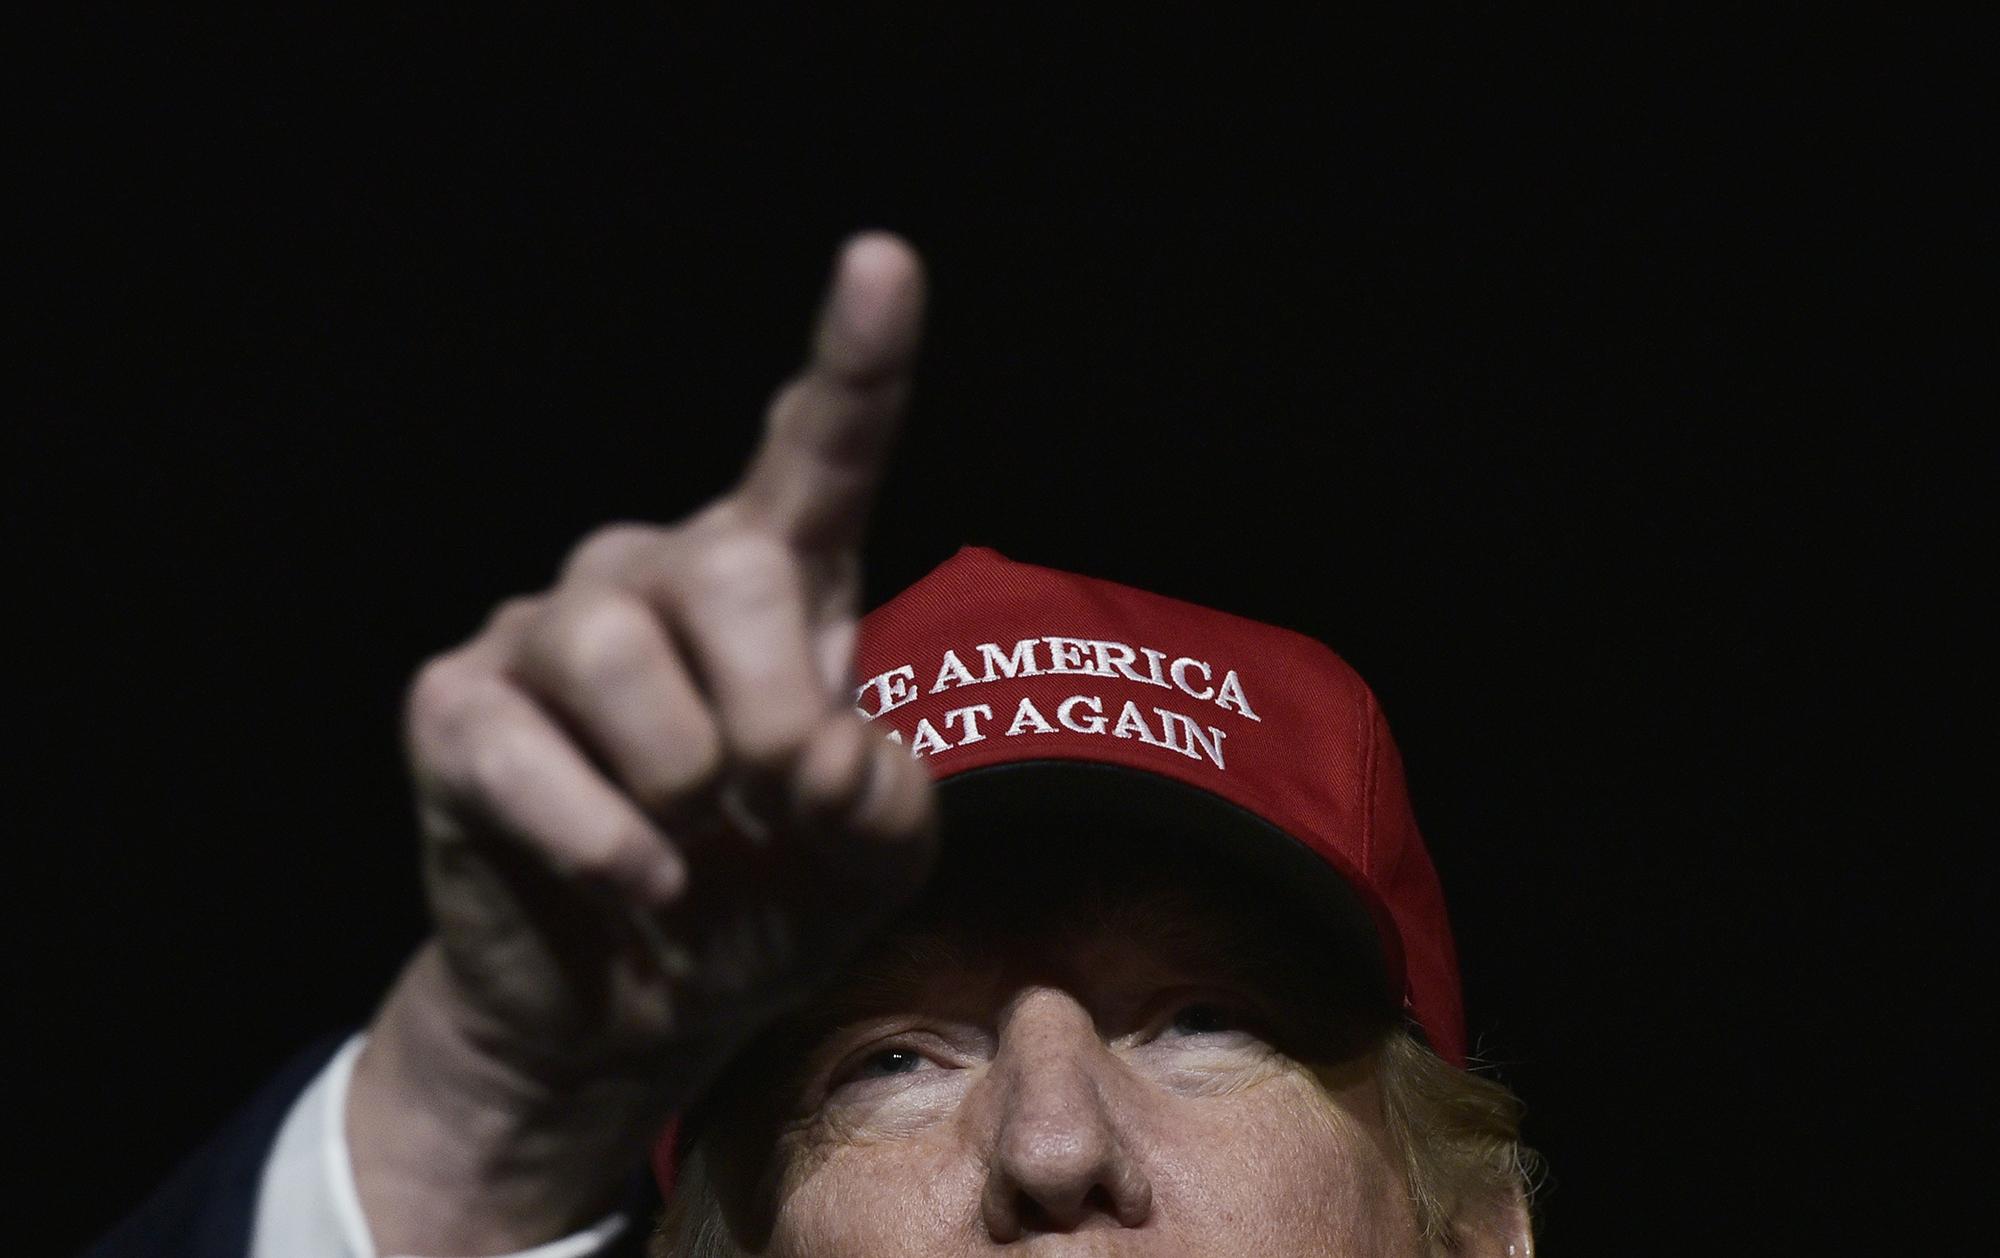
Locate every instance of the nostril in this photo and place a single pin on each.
(1031, 1218)
(1098, 1201)
(1032, 1215)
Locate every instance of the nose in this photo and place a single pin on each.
(1059, 1160)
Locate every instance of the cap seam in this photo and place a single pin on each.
(1368, 792)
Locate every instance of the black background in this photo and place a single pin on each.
(1584, 385)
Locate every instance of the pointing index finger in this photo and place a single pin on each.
(828, 432)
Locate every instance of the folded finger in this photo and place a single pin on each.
(741, 611)
(600, 659)
(485, 750)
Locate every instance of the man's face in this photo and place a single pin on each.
(1115, 1065)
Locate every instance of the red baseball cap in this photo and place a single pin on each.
(986, 661)
(987, 668)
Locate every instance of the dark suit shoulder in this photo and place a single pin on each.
(205, 1210)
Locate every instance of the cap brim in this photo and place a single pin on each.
(1051, 804)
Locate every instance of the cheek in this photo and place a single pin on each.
(1277, 1171)
(894, 1199)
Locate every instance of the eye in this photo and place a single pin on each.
(1204, 1018)
(887, 1062)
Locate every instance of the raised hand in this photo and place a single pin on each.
(652, 819)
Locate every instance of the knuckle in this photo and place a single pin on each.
(746, 566)
(446, 685)
(436, 705)
(602, 640)
(497, 756)
(510, 614)
(607, 548)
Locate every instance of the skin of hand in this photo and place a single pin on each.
(652, 821)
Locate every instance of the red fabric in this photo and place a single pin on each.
(1266, 718)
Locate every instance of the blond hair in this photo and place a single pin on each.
(1459, 1134)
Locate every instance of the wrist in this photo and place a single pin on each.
(458, 1150)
